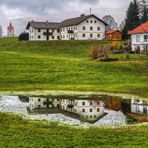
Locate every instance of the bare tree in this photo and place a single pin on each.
(1, 31)
(143, 8)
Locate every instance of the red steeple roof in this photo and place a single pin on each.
(141, 29)
(10, 27)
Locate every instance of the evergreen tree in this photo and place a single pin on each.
(143, 7)
(23, 37)
(132, 18)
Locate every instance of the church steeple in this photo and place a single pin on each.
(10, 30)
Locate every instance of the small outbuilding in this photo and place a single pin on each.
(113, 35)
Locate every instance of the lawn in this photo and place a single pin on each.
(66, 65)
(16, 132)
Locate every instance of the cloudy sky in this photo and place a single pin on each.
(19, 12)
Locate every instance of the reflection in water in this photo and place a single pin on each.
(97, 110)
(88, 110)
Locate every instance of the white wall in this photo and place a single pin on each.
(95, 30)
(141, 42)
(34, 33)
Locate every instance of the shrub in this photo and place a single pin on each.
(24, 36)
(99, 52)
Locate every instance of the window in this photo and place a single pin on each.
(58, 31)
(83, 103)
(53, 37)
(83, 35)
(39, 30)
(91, 28)
(137, 38)
(87, 21)
(91, 35)
(39, 106)
(83, 110)
(58, 37)
(98, 35)
(39, 100)
(145, 38)
(91, 110)
(84, 28)
(91, 21)
(98, 109)
(98, 28)
(95, 21)
(39, 36)
(91, 103)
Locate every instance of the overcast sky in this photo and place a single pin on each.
(19, 12)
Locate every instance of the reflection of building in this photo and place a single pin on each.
(88, 110)
(10, 30)
(139, 106)
(37, 103)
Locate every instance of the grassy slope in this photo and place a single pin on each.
(16, 132)
(66, 65)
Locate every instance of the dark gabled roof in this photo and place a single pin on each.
(78, 20)
(65, 23)
(43, 25)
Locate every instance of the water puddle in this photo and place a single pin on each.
(94, 110)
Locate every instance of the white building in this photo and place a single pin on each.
(85, 27)
(139, 37)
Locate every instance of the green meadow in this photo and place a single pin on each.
(67, 65)
(16, 132)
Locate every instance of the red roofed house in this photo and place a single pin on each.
(113, 35)
(139, 37)
(10, 31)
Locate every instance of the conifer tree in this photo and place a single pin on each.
(132, 18)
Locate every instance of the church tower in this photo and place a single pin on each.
(10, 30)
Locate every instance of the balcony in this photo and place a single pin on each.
(48, 33)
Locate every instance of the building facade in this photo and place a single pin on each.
(113, 35)
(89, 110)
(10, 30)
(139, 38)
(85, 27)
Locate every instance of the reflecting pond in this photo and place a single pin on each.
(97, 110)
